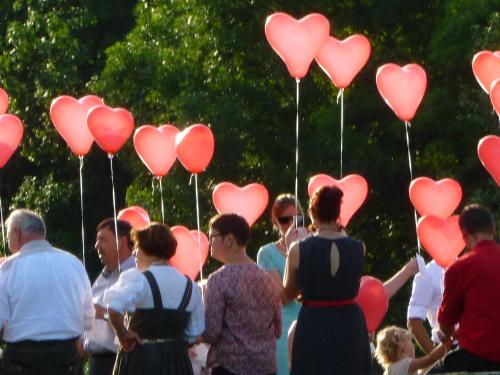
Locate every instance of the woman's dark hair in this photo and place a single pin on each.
(123, 227)
(156, 240)
(325, 203)
(232, 224)
(476, 219)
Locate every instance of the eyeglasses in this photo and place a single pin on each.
(288, 219)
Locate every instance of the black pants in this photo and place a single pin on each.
(53, 357)
(102, 364)
(461, 360)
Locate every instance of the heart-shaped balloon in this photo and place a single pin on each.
(402, 88)
(438, 198)
(4, 101)
(297, 42)
(187, 258)
(136, 216)
(69, 117)
(11, 133)
(249, 201)
(486, 68)
(110, 127)
(194, 147)
(373, 300)
(342, 60)
(354, 187)
(495, 95)
(156, 147)
(488, 150)
(441, 238)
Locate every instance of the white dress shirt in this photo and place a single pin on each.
(44, 295)
(426, 296)
(133, 291)
(102, 337)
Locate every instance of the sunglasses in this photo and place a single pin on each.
(288, 219)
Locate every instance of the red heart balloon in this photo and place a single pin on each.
(402, 88)
(187, 258)
(110, 127)
(486, 68)
(488, 150)
(194, 147)
(156, 147)
(342, 60)
(373, 300)
(69, 117)
(495, 95)
(11, 133)
(438, 198)
(297, 42)
(136, 216)
(4, 101)
(441, 238)
(249, 201)
(354, 187)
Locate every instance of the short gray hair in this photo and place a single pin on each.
(26, 221)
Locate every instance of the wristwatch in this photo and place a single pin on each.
(105, 316)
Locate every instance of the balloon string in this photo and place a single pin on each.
(198, 227)
(110, 156)
(341, 130)
(161, 198)
(297, 148)
(407, 127)
(81, 209)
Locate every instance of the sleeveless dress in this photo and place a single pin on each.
(333, 339)
(162, 330)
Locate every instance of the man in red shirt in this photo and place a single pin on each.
(471, 297)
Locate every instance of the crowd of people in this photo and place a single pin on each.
(293, 311)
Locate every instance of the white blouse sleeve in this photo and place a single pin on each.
(127, 292)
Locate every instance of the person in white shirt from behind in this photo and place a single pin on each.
(45, 301)
(426, 297)
(100, 341)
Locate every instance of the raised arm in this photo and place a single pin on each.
(395, 283)
(291, 288)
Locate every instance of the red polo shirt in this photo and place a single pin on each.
(471, 298)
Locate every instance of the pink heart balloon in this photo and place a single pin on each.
(187, 256)
(373, 300)
(486, 68)
(110, 127)
(194, 147)
(4, 101)
(342, 60)
(69, 117)
(156, 147)
(495, 95)
(297, 42)
(488, 150)
(441, 238)
(249, 201)
(136, 216)
(438, 198)
(402, 88)
(11, 133)
(354, 187)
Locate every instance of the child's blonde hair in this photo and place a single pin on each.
(389, 342)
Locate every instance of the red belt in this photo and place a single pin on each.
(309, 303)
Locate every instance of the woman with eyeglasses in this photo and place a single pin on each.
(165, 307)
(286, 210)
(331, 335)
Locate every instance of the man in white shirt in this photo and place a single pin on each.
(426, 297)
(45, 301)
(100, 341)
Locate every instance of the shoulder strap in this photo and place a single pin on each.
(155, 290)
(187, 295)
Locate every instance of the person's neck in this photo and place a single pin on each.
(238, 257)
(329, 230)
(478, 237)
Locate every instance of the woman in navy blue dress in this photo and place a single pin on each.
(326, 269)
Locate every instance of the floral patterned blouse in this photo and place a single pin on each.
(243, 319)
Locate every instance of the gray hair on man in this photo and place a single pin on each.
(26, 221)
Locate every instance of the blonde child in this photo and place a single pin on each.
(396, 352)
